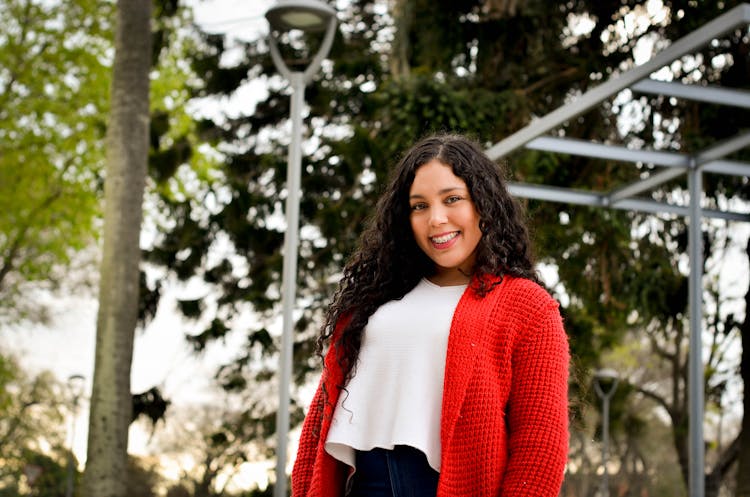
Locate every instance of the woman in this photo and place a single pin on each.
(447, 370)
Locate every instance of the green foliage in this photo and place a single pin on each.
(150, 404)
(52, 471)
(219, 439)
(421, 104)
(54, 80)
(7, 375)
(143, 479)
(32, 430)
(55, 60)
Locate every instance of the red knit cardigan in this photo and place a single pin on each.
(504, 426)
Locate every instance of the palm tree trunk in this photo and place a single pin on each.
(127, 154)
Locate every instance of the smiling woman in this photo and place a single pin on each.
(445, 222)
(448, 364)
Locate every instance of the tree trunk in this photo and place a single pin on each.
(403, 15)
(680, 433)
(718, 473)
(743, 469)
(127, 154)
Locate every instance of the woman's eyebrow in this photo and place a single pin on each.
(440, 192)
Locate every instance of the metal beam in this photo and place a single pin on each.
(739, 15)
(706, 158)
(730, 167)
(710, 94)
(580, 197)
(584, 148)
(650, 206)
(555, 194)
(724, 148)
(726, 215)
(643, 185)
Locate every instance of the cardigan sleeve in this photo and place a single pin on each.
(308, 445)
(537, 413)
(313, 428)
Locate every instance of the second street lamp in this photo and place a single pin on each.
(605, 384)
(308, 16)
(76, 385)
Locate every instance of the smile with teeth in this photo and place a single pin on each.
(444, 238)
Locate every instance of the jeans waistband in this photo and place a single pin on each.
(399, 472)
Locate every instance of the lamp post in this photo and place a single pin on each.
(605, 384)
(76, 384)
(308, 16)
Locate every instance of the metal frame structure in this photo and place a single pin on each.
(667, 166)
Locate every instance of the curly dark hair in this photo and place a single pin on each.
(388, 263)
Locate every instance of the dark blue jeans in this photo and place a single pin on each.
(401, 472)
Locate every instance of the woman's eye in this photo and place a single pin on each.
(452, 199)
(418, 207)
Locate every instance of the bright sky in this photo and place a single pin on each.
(237, 18)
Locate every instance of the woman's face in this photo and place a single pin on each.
(444, 221)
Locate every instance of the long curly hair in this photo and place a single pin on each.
(387, 263)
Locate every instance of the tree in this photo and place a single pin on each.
(642, 459)
(127, 155)
(743, 465)
(653, 358)
(53, 93)
(32, 430)
(143, 478)
(212, 444)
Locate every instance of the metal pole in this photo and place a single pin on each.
(605, 384)
(69, 485)
(289, 279)
(605, 446)
(696, 482)
(71, 465)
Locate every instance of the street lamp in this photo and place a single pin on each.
(309, 16)
(605, 384)
(76, 384)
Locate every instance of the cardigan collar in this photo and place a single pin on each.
(468, 329)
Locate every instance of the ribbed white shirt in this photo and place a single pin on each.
(395, 397)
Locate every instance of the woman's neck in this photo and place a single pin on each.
(449, 277)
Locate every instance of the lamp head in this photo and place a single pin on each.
(605, 381)
(307, 15)
(76, 384)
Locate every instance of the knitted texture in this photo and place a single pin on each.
(504, 422)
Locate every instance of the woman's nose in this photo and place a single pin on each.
(437, 216)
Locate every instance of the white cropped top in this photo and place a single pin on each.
(395, 396)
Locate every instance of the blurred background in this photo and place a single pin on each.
(205, 359)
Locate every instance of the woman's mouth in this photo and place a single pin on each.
(444, 239)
